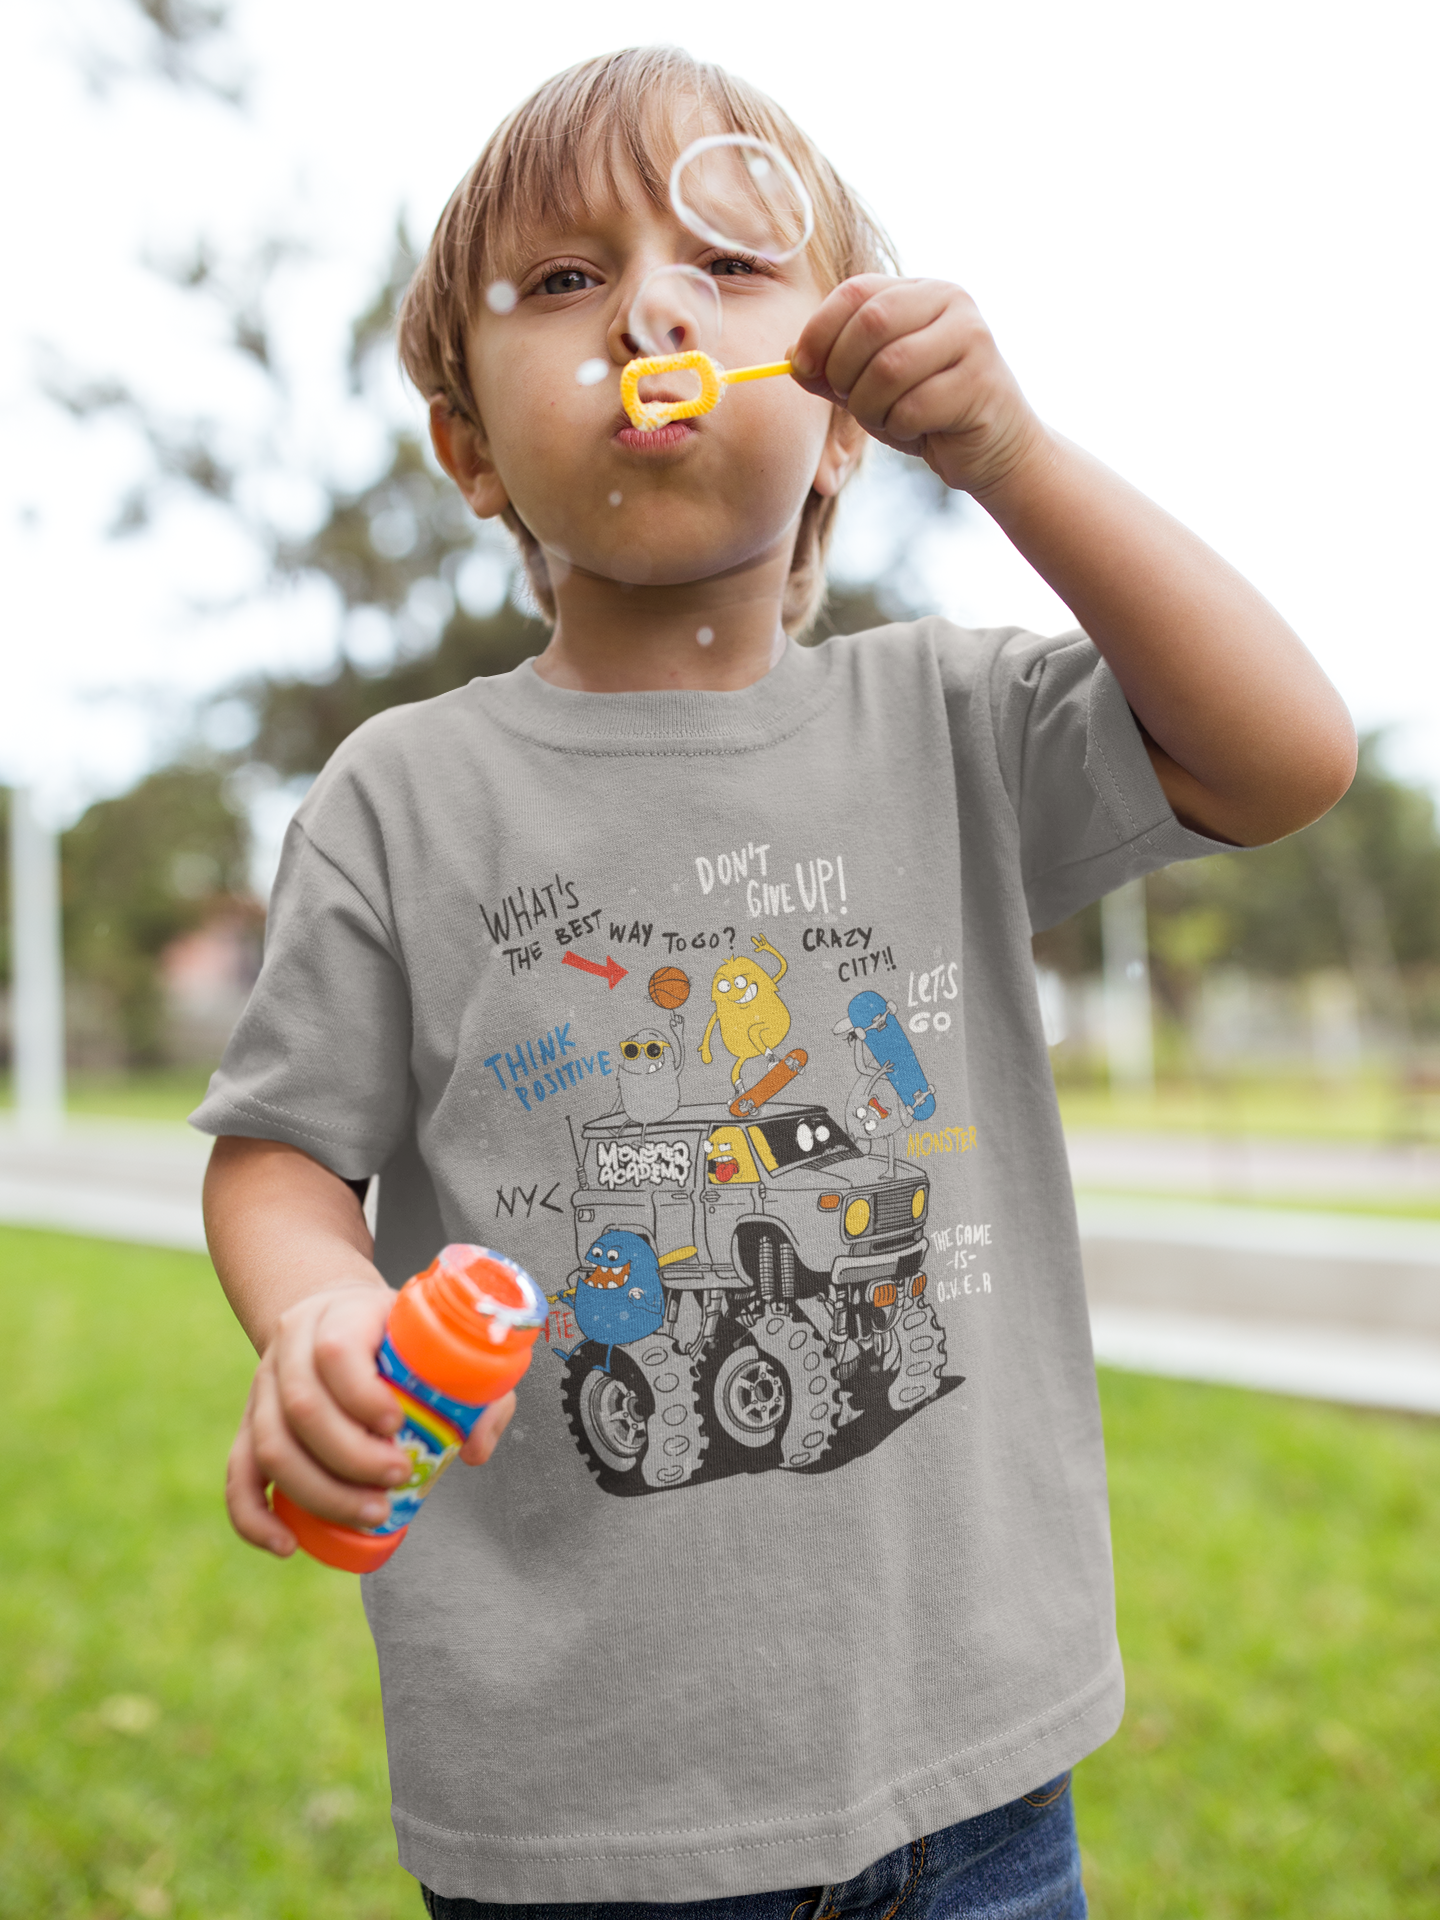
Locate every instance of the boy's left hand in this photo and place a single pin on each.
(915, 364)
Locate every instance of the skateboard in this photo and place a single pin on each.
(746, 1105)
(889, 1047)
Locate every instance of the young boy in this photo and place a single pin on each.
(789, 1592)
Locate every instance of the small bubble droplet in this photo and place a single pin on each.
(501, 297)
(705, 636)
(590, 371)
(616, 498)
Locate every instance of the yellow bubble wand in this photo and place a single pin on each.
(646, 415)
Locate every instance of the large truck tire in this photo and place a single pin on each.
(921, 1342)
(814, 1394)
(639, 1427)
(746, 1396)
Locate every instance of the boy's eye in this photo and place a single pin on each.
(731, 265)
(568, 280)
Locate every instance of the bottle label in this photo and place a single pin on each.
(432, 1433)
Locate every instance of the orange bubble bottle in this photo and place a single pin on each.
(459, 1336)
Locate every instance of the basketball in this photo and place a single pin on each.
(669, 987)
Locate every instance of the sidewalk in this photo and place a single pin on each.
(1216, 1167)
(1327, 1305)
(118, 1180)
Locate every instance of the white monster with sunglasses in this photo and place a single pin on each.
(650, 1067)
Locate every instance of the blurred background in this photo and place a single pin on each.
(1205, 242)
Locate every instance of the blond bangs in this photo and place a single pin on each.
(611, 122)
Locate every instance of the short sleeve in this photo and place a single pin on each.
(320, 1057)
(1091, 811)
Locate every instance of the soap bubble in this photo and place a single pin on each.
(616, 498)
(501, 297)
(677, 310)
(736, 191)
(705, 635)
(590, 372)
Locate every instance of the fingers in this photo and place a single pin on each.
(909, 359)
(810, 355)
(283, 1458)
(330, 1397)
(912, 327)
(346, 1338)
(309, 1423)
(485, 1435)
(245, 1500)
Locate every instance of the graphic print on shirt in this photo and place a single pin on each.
(751, 1293)
(649, 1069)
(883, 1059)
(749, 1012)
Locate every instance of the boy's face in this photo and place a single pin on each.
(693, 502)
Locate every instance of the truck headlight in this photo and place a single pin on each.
(857, 1218)
(917, 1204)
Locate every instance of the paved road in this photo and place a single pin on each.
(1218, 1168)
(118, 1180)
(1334, 1306)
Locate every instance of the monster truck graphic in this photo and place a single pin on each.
(796, 1328)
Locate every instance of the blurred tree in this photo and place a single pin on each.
(1360, 889)
(185, 42)
(136, 873)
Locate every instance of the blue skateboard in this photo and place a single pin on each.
(889, 1046)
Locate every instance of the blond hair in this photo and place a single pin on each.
(617, 111)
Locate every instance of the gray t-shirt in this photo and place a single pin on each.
(716, 1011)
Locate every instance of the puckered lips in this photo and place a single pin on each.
(609, 1277)
(657, 439)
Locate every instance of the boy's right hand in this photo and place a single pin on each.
(318, 1418)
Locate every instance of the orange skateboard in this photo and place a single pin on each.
(746, 1105)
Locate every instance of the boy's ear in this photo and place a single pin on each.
(837, 456)
(461, 448)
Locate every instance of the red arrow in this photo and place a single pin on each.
(611, 971)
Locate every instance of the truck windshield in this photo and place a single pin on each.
(811, 1139)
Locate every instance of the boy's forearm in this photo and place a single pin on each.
(1249, 738)
(281, 1227)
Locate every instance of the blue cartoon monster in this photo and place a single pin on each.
(621, 1298)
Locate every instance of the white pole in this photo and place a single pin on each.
(1129, 1040)
(37, 999)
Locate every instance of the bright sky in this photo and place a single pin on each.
(1205, 240)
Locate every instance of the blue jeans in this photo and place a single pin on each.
(1018, 1862)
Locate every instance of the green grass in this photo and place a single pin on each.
(1299, 1109)
(1278, 1591)
(164, 1093)
(188, 1729)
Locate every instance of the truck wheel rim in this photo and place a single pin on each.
(613, 1419)
(751, 1398)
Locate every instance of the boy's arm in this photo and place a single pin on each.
(293, 1253)
(1248, 738)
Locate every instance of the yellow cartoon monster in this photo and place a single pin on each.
(753, 1018)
